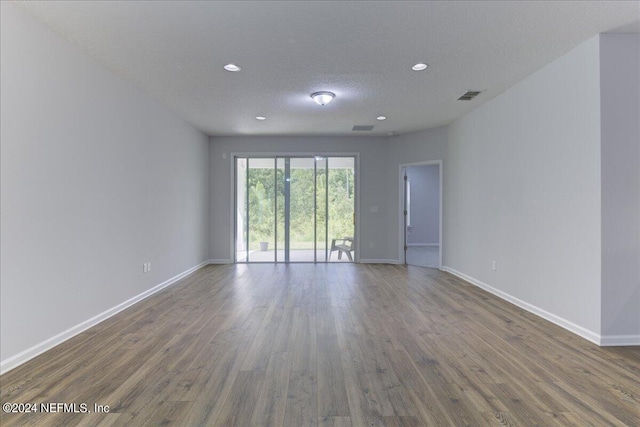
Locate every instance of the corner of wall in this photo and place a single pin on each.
(620, 192)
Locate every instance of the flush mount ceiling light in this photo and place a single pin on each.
(232, 67)
(261, 118)
(381, 118)
(323, 98)
(419, 66)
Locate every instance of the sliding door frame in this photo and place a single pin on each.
(233, 203)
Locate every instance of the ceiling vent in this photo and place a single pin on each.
(362, 127)
(469, 95)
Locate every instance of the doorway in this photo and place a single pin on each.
(421, 214)
(295, 209)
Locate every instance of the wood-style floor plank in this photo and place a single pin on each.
(341, 345)
(302, 405)
(272, 398)
(332, 395)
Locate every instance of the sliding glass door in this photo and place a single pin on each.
(295, 209)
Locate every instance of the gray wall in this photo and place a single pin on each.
(425, 204)
(620, 122)
(545, 180)
(96, 178)
(522, 187)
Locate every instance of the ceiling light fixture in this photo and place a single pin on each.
(419, 66)
(381, 118)
(232, 67)
(323, 98)
(261, 118)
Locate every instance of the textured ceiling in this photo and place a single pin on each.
(362, 51)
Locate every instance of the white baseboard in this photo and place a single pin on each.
(564, 323)
(219, 261)
(617, 340)
(24, 356)
(379, 261)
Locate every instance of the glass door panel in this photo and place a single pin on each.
(261, 210)
(295, 209)
(341, 207)
(241, 211)
(280, 208)
(321, 209)
(302, 210)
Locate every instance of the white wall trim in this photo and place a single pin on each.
(379, 261)
(28, 354)
(219, 261)
(566, 324)
(616, 340)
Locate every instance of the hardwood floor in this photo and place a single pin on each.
(328, 345)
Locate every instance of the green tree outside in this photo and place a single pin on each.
(263, 201)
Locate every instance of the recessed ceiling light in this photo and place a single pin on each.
(232, 67)
(323, 98)
(381, 117)
(261, 118)
(419, 66)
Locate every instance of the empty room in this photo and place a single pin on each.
(320, 213)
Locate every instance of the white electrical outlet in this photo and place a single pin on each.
(494, 265)
(146, 267)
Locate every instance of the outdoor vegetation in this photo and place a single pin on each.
(263, 201)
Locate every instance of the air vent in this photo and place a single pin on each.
(469, 95)
(363, 127)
